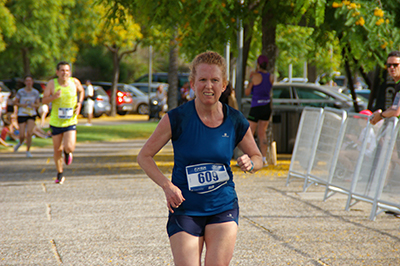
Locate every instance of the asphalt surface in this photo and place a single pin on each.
(109, 212)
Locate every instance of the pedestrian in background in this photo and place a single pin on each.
(184, 91)
(393, 67)
(201, 198)
(89, 104)
(66, 94)
(1, 108)
(27, 100)
(260, 86)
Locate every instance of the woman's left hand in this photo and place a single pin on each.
(245, 163)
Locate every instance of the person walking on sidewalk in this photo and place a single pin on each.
(201, 198)
(27, 100)
(260, 86)
(66, 95)
(89, 104)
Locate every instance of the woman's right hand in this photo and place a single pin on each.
(174, 197)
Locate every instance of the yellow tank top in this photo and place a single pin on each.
(63, 108)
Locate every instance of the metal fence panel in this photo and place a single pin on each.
(365, 185)
(327, 147)
(357, 133)
(388, 194)
(304, 148)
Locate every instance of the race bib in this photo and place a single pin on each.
(65, 113)
(206, 177)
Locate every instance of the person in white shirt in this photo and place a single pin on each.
(89, 105)
(27, 100)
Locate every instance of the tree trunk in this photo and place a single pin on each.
(247, 35)
(311, 72)
(26, 61)
(173, 74)
(350, 79)
(269, 47)
(114, 82)
(376, 97)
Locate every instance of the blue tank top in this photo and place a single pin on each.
(262, 92)
(195, 143)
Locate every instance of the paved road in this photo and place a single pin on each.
(109, 213)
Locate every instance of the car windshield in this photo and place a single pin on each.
(100, 91)
(307, 93)
(4, 88)
(134, 91)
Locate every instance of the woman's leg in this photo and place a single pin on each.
(262, 137)
(30, 124)
(253, 126)
(22, 129)
(186, 249)
(220, 241)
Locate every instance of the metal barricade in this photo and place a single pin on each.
(369, 168)
(305, 145)
(328, 143)
(358, 139)
(387, 197)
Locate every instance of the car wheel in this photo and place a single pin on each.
(143, 109)
(122, 112)
(98, 115)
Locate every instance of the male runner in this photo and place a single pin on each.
(66, 95)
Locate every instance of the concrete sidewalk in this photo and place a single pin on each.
(109, 213)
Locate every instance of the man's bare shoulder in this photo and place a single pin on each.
(50, 82)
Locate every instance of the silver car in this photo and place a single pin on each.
(102, 103)
(289, 99)
(140, 100)
(144, 86)
(295, 96)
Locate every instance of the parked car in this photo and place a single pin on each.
(123, 97)
(289, 99)
(358, 82)
(102, 103)
(299, 95)
(144, 86)
(5, 92)
(163, 77)
(140, 100)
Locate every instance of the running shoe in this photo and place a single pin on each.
(62, 180)
(68, 158)
(56, 181)
(28, 154)
(16, 147)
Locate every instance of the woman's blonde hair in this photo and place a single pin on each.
(210, 58)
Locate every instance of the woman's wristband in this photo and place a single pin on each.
(252, 166)
(382, 116)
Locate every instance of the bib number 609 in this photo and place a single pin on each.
(208, 177)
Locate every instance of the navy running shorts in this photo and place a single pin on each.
(23, 119)
(262, 112)
(60, 130)
(195, 225)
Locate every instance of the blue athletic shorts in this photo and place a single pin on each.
(60, 130)
(195, 225)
